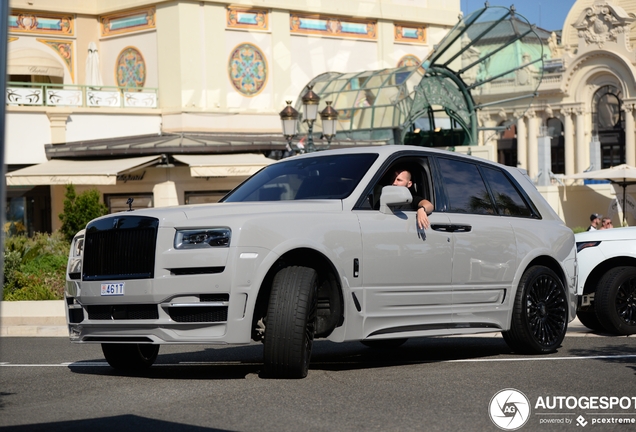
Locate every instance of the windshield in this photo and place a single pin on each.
(320, 177)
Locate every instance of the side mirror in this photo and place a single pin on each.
(393, 196)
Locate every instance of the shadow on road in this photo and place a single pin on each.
(230, 363)
(109, 424)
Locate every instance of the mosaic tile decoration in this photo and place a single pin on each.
(332, 26)
(63, 48)
(130, 68)
(41, 23)
(247, 68)
(126, 22)
(409, 60)
(256, 19)
(410, 33)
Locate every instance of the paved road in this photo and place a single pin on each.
(432, 384)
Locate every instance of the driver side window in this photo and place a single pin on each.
(418, 169)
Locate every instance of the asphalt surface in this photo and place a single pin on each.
(428, 384)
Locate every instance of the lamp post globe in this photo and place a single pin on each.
(289, 120)
(329, 117)
(310, 110)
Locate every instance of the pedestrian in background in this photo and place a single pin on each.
(595, 220)
(606, 223)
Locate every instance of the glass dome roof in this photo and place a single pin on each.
(491, 57)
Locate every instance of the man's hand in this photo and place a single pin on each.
(422, 219)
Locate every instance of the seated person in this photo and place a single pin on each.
(422, 206)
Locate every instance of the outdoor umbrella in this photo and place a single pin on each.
(622, 175)
(93, 77)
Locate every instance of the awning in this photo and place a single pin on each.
(33, 62)
(228, 165)
(62, 172)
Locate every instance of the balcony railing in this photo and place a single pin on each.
(36, 94)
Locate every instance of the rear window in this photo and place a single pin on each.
(465, 189)
(319, 177)
(508, 199)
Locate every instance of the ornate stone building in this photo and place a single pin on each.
(585, 109)
(182, 99)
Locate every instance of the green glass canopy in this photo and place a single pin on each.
(493, 56)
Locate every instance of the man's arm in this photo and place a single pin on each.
(424, 208)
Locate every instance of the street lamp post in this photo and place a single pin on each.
(310, 109)
(329, 117)
(289, 119)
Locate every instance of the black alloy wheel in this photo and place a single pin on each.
(615, 300)
(540, 313)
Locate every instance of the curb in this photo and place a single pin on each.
(47, 318)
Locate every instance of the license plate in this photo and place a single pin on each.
(113, 289)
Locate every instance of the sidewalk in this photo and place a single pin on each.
(44, 318)
(47, 318)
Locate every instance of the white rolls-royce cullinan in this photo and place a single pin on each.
(323, 245)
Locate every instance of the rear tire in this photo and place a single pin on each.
(291, 323)
(540, 313)
(130, 357)
(615, 300)
(589, 319)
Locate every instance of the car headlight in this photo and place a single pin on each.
(74, 268)
(77, 248)
(202, 238)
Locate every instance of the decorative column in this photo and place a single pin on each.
(522, 152)
(630, 141)
(58, 118)
(581, 146)
(568, 135)
(533, 145)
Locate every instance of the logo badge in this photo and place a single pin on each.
(581, 421)
(509, 409)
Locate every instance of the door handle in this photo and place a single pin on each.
(461, 228)
(451, 227)
(442, 227)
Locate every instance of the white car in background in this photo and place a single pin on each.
(322, 245)
(607, 280)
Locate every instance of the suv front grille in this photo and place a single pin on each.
(120, 248)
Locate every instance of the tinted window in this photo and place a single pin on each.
(465, 189)
(319, 177)
(509, 201)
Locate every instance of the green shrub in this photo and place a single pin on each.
(35, 268)
(579, 229)
(79, 210)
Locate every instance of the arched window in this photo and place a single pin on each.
(557, 145)
(608, 125)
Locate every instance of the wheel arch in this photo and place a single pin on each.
(597, 273)
(330, 295)
(552, 264)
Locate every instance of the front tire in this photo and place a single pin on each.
(291, 323)
(540, 313)
(130, 357)
(615, 300)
